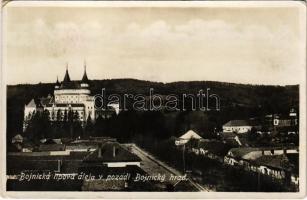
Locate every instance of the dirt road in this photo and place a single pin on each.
(155, 167)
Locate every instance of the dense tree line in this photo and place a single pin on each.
(127, 126)
(238, 101)
(39, 124)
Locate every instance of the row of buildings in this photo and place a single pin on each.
(93, 157)
(270, 123)
(279, 163)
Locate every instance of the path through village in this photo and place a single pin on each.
(154, 167)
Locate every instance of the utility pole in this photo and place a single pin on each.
(183, 158)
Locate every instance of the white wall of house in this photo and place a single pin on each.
(29, 110)
(230, 161)
(180, 142)
(237, 129)
(270, 172)
(122, 164)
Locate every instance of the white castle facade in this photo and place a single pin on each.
(69, 96)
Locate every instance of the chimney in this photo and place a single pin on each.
(114, 151)
(99, 150)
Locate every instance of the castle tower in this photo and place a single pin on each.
(57, 83)
(66, 77)
(84, 81)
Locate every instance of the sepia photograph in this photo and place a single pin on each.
(166, 97)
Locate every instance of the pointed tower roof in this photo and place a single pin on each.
(57, 81)
(66, 78)
(84, 78)
(31, 104)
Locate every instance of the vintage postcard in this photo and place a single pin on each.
(153, 99)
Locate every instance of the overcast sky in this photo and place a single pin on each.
(243, 45)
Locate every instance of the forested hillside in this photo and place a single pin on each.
(238, 101)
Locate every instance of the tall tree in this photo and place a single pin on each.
(77, 128)
(39, 125)
(89, 127)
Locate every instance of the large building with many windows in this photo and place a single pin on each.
(69, 96)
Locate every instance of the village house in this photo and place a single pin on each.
(111, 154)
(286, 120)
(234, 155)
(187, 137)
(17, 139)
(231, 138)
(212, 149)
(280, 123)
(270, 161)
(239, 126)
(21, 144)
(90, 144)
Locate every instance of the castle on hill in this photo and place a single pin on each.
(70, 96)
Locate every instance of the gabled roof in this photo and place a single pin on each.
(31, 104)
(52, 141)
(46, 100)
(18, 137)
(189, 135)
(237, 123)
(112, 152)
(240, 152)
(276, 161)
